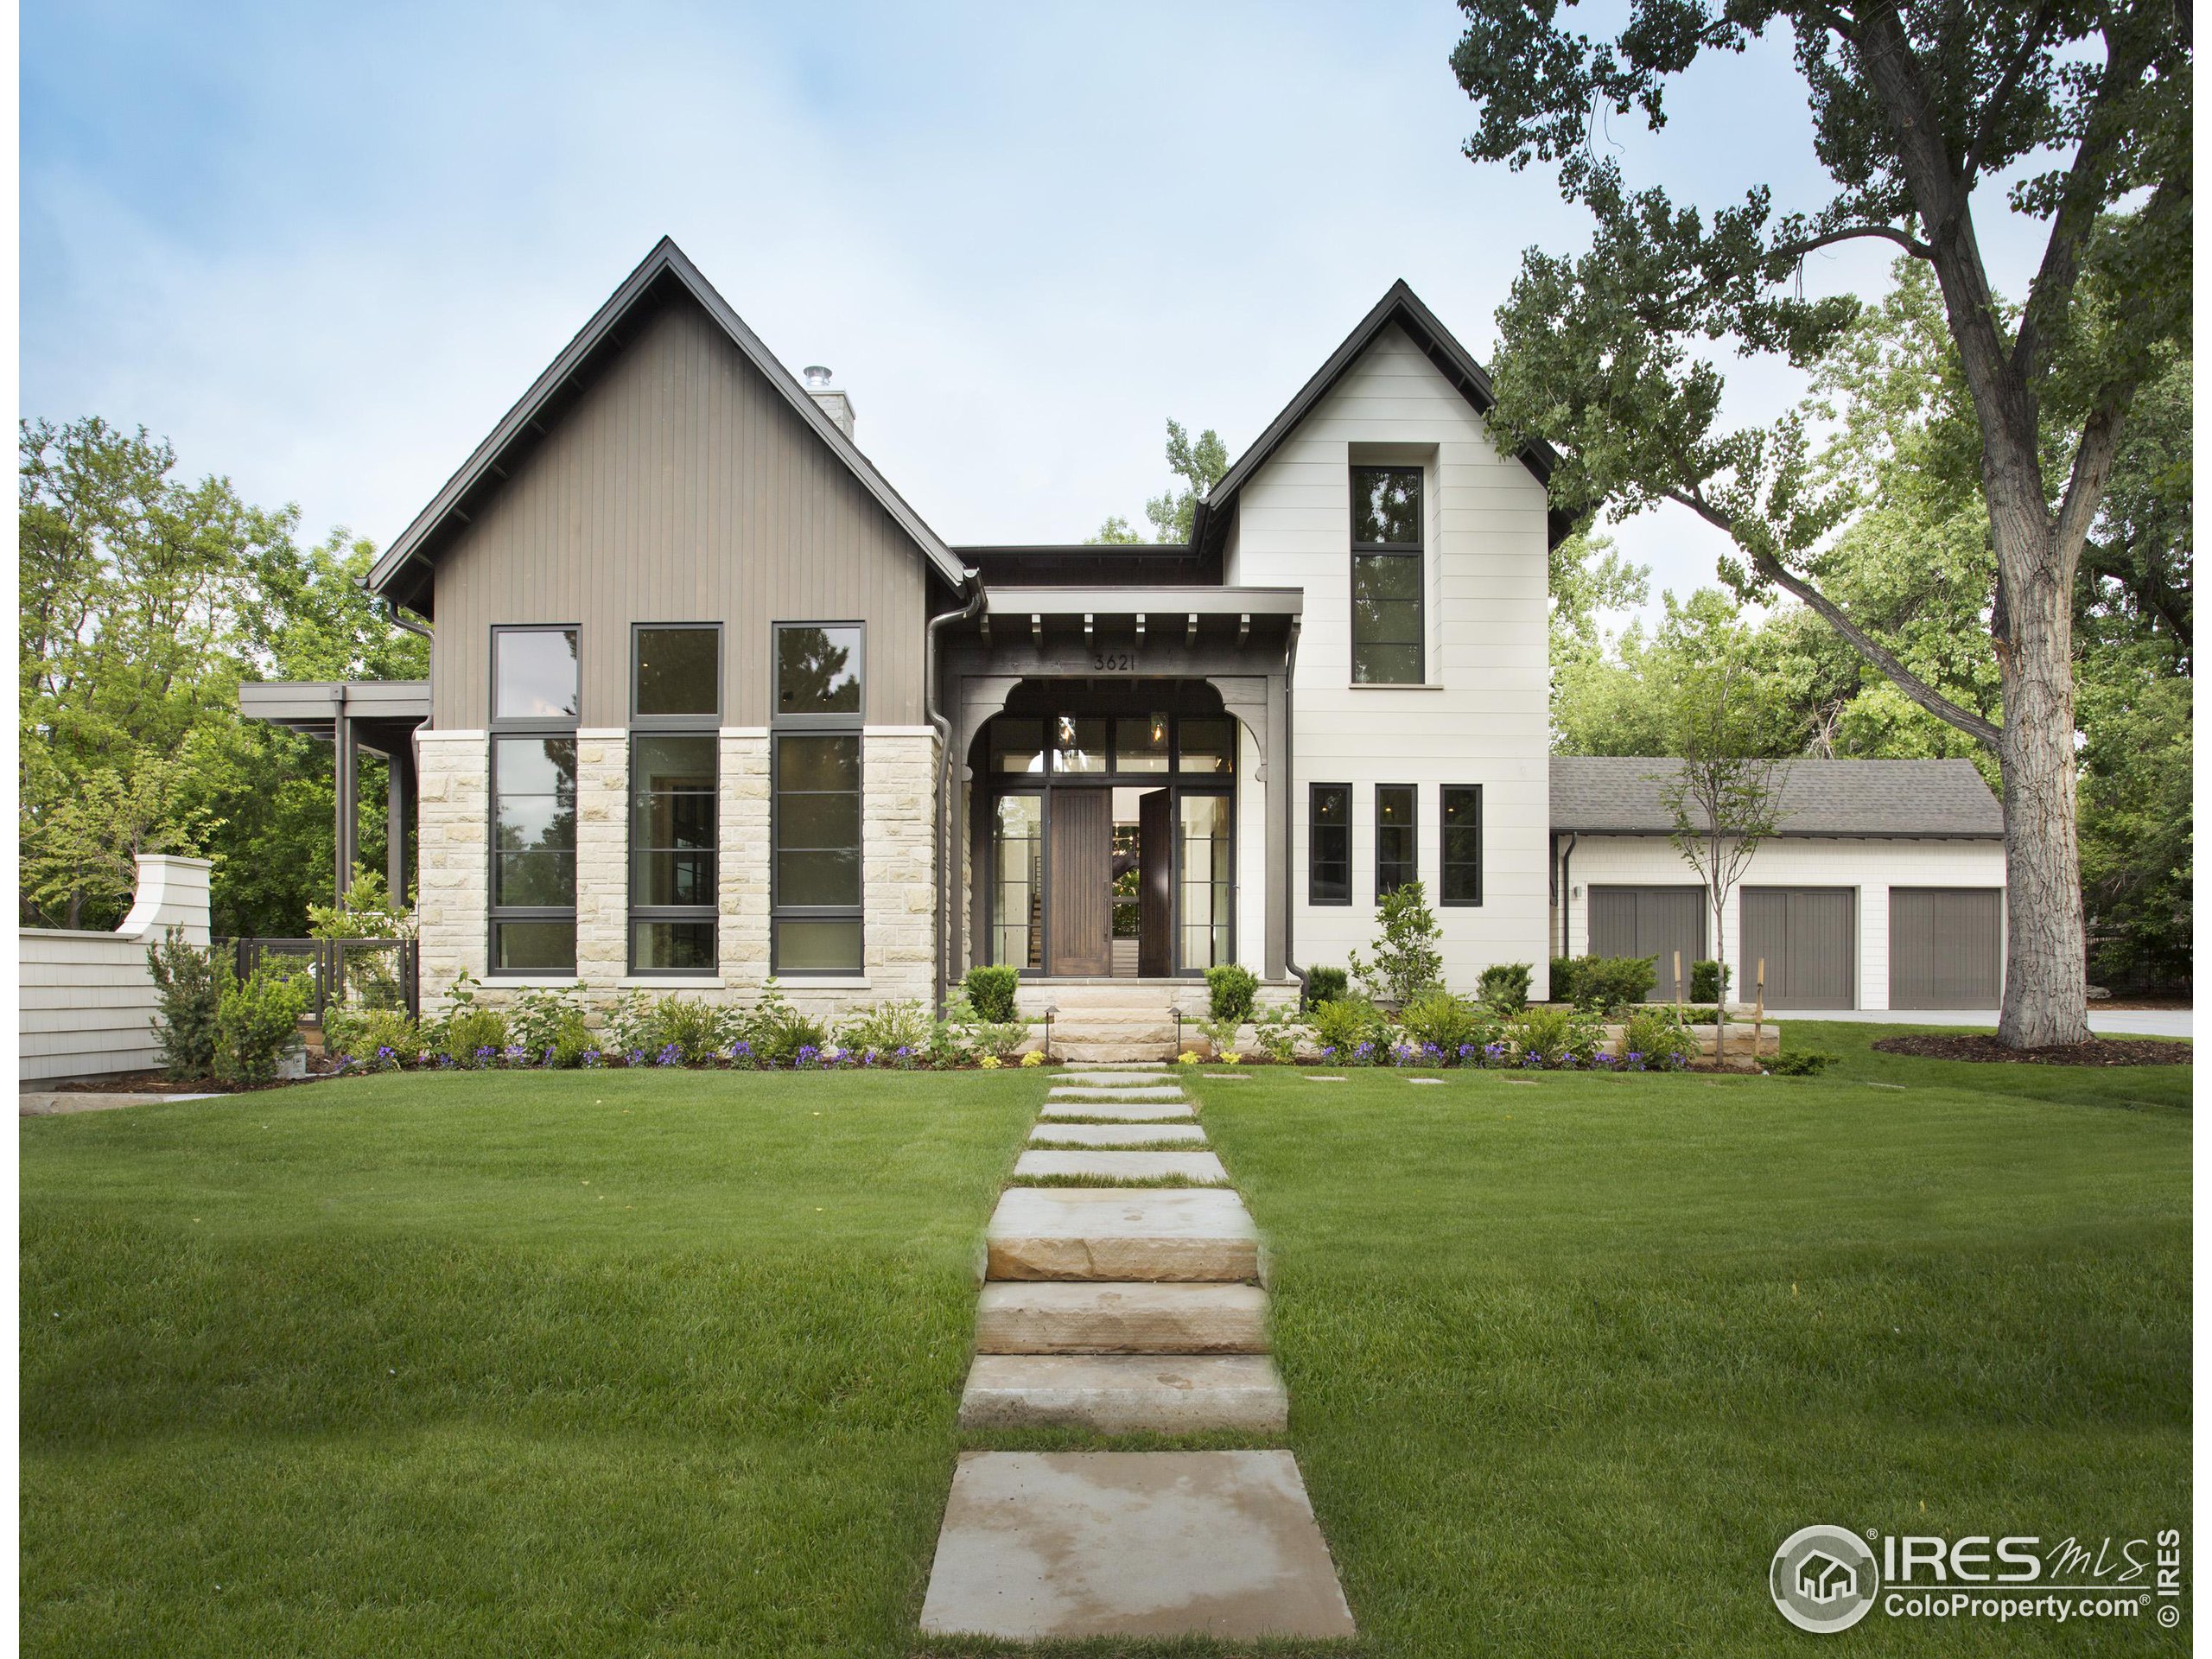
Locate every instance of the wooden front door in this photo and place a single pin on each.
(1080, 918)
(1156, 886)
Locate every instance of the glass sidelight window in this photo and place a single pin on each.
(1460, 876)
(1328, 845)
(672, 853)
(1387, 625)
(1205, 862)
(533, 787)
(1018, 873)
(1397, 860)
(815, 868)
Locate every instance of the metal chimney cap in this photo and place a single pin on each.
(817, 377)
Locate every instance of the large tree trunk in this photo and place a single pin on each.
(2046, 995)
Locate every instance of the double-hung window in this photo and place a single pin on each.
(674, 711)
(1328, 844)
(533, 875)
(1460, 871)
(1387, 625)
(815, 880)
(1397, 855)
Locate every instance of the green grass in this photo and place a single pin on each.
(500, 1364)
(669, 1363)
(1569, 1358)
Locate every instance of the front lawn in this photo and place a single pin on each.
(529, 1364)
(1569, 1355)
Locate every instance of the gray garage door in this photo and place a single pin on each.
(1946, 947)
(1806, 937)
(1653, 922)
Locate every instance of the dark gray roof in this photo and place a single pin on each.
(1403, 307)
(1613, 795)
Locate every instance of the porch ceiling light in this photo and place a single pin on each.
(1037, 628)
(1191, 635)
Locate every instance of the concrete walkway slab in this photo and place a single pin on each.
(1113, 1080)
(2103, 1022)
(1118, 1318)
(1126, 1394)
(1122, 1165)
(62, 1103)
(1120, 1111)
(1068, 1545)
(1114, 1135)
(1169, 1236)
(1104, 1091)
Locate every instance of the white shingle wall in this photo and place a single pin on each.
(1483, 721)
(87, 1001)
(1871, 867)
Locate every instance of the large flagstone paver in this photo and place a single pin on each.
(1112, 1079)
(1168, 1234)
(1115, 1134)
(1122, 1166)
(1103, 1092)
(1126, 1394)
(1121, 1111)
(1076, 1544)
(1047, 1317)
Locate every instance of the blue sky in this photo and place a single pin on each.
(323, 249)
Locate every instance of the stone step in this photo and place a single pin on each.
(1123, 1068)
(1167, 1236)
(1032, 1000)
(1126, 1394)
(1097, 1034)
(1121, 1111)
(1122, 1319)
(1114, 1135)
(1156, 1077)
(1122, 1165)
(1106, 1052)
(1135, 1091)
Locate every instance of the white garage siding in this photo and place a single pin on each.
(1871, 867)
(1482, 720)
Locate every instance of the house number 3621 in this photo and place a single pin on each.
(1114, 662)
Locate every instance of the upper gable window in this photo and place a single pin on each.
(679, 672)
(818, 670)
(534, 674)
(1387, 622)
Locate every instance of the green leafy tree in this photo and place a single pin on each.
(1199, 464)
(1913, 107)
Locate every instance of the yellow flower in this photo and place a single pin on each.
(990, 1062)
(1035, 1057)
(1231, 1056)
(1189, 1057)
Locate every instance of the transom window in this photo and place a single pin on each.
(1387, 618)
(815, 876)
(1122, 745)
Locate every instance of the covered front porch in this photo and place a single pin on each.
(1123, 768)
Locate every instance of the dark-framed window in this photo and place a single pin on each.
(1397, 837)
(1328, 844)
(1388, 630)
(1459, 866)
(815, 881)
(535, 690)
(675, 774)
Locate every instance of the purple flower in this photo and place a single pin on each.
(670, 1055)
(592, 1057)
(1329, 1053)
(807, 1055)
(636, 1057)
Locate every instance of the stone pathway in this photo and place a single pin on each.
(1126, 1309)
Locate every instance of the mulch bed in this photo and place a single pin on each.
(2098, 1050)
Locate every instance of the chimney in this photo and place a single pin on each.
(835, 403)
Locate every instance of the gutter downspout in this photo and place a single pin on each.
(943, 725)
(1290, 810)
(1567, 892)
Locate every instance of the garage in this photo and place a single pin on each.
(1654, 922)
(1809, 938)
(1946, 947)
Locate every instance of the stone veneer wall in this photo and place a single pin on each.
(898, 777)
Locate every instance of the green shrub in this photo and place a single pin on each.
(887, 1027)
(776, 1031)
(1439, 1018)
(1657, 1041)
(1276, 1033)
(1407, 958)
(1551, 1036)
(1709, 981)
(539, 1018)
(1609, 985)
(964, 1034)
(1346, 1022)
(695, 1030)
(1229, 989)
(1566, 976)
(258, 1021)
(1323, 985)
(990, 992)
(190, 982)
(471, 1029)
(1803, 1062)
(363, 1037)
(1503, 988)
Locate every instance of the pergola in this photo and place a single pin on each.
(377, 716)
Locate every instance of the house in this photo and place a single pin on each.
(708, 701)
(1822, 1579)
(1884, 886)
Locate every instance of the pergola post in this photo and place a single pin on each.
(348, 802)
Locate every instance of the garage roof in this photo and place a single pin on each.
(1618, 795)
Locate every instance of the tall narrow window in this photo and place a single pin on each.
(533, 875)
(1461, 874)
(1387, 627)
(675, 706)
(816, 867)
(1328, 844)
(1397, 854)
